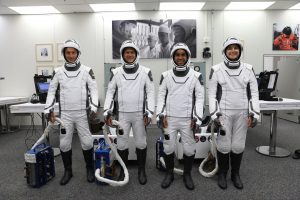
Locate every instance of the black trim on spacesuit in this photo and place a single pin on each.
(249, 92)
(161, 79)
(91, 73)
(150, 76)
(73, 68)
(131, 70)
(219, 92)
(111, 76)
(233, 75)
(163, 108)
(201, 79)
(145, 106)
(53, 74)
(233, 67)
(180, 82)
(211, 73)
(131, 78)
(71, 76)
(181, 73)
(194, 110)
(115, 101)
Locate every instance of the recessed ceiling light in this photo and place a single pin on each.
(249, 5)
(35, 9)
(113, 7)
(295, 7)
(181, 6)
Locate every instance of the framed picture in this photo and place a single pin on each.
(59, 46)
(45, 70)
(44, 52)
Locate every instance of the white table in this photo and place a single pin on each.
(32, 108)
(5, 102)
(273, 107)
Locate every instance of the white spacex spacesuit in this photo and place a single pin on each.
(77, 94)
(180, 99)
(233, 92)
(131, 90)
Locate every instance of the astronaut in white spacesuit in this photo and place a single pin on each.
(233, 94)
(78, 99)
(131, 94)
(180, 109)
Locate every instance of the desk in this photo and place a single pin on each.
(32, 108)
(273, 106)
(5, 102)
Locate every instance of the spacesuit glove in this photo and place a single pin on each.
(195, 124)
(162, 122)
(50, 116)
(216, 119)
(147, 117)
(252, 120)
(108, 117)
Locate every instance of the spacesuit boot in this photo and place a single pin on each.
(169, 177)
(141, 159)
(187, 178)
(67, 161)
(236, 160)
(124, 155)
(88, 157)
(223, 162)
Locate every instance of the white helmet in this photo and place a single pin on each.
(71, 44)
(187, 50)
(232, 63)
(129, 44)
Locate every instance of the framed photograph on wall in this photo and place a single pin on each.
(44, 52)
(46, 70)
(285, 37)
(59, 46)
(154, 38)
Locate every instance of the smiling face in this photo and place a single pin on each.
(233, 52)
(180, 57)
(129, 55)
(71, 54)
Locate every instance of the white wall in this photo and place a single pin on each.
(20, 33)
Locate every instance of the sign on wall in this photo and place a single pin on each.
(154, 38)
(285, 37)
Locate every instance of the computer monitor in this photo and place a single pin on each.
(43, 87)
(267, 81)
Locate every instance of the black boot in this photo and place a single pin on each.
(236, 160)
(88, 157)
(187, 178)
(141, 159)
(67, 161)
(223, 162)
(169, 177)
(124, 155)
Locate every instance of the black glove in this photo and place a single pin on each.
(253, 120)
(219, 126)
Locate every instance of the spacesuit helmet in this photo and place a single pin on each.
(232, 63)
(71, 44)
(287, 30)
(129, 44)
(188, 54)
